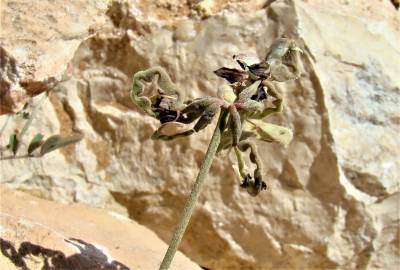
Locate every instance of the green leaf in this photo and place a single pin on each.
(270, 132)
(13, 143)
(56, 141)
(35, 143)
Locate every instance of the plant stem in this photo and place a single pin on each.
(33, 114)
(191, 201)
(17, 157)
(5, 124)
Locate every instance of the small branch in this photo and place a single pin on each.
(191, 201)
(33, 114)
(5, 124)
(17, 157)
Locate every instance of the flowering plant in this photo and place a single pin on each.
(250, 97)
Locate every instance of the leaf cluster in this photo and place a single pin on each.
(38, 146)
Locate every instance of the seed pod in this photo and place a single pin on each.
(235, 125)
(253, 184)
(207, 116)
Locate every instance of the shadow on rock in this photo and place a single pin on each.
(90, 257)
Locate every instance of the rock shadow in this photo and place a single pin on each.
(90, 257)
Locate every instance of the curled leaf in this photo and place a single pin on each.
(270, 132)
(56, 141)
(167, 89)
(35, 143)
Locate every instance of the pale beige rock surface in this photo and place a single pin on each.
(36, 233)
(37, 40)
(334, 194)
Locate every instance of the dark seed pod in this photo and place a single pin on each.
(253, 184)
(207, 117)
(232, 75)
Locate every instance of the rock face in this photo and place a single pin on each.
(39, 234)
(37, 40)
(334, 194)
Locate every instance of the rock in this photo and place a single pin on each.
(36, 233)
(334, 192)
(37, 40)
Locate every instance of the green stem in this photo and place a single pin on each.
(191, 201)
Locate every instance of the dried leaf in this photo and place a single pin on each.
(245, 61)
(171, 130)
(232, 75)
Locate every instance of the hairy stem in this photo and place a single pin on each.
(191, 201)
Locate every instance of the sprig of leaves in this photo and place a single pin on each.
(46, 145)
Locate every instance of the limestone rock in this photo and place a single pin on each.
(37, 40)
(334, 192)
(35, 233)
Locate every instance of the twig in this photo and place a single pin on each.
(191, 201)
(32, 116)
(3, 148)
(17, 157)
(5, 124)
